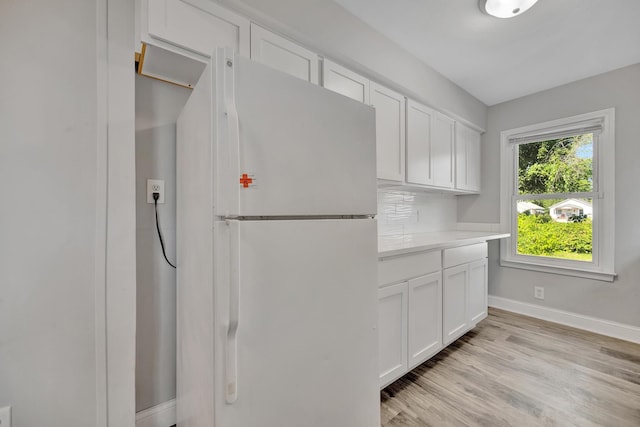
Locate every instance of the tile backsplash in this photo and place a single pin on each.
(403, 212)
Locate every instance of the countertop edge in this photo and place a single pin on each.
(441, 244)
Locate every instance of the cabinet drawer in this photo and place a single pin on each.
(403, 267)
(464, 254)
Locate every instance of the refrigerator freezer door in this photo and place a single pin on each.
(286, 147)
(306, 324)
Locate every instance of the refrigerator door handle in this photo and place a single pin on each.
(231, 363)
(233, 129)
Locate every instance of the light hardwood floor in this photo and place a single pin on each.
(513, 370)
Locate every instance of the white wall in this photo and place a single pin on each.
(330, 30)
(48, 162)
(617, 301)
(157, 107)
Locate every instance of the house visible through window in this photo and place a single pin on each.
(558, 195)
(557, 175)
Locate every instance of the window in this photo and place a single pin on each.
(558, 196)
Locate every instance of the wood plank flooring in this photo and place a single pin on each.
(513, 370)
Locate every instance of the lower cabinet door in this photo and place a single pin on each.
(455, 282)
(425, 318)
(392, 332)
(478, 291)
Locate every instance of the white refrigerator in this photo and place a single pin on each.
(276, 253)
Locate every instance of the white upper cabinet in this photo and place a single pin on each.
(442, 150)
(419, 157)
(343, 81)
(284, 55)
(390, 116)
(390, 132)
(467, 149)
(429, 147)
(177, 36)
(197, 25)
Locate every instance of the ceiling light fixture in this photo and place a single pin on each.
(505, 8)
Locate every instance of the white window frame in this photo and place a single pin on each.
(602, 266)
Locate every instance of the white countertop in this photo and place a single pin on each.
(406, 243)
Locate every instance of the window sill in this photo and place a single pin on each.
(565, 271)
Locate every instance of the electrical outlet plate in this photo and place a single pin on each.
(538, 292)
(5, 416)
(154, 186)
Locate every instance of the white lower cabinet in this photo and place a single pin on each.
(425, 318)
(454, 302)
(478, 292)
(464, 295)
(409, 325)
(392, 332)
(409, 312)
(427, 300)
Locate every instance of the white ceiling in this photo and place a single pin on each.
(496, 60)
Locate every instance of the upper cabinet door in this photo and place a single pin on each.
(283, 54)
(345, 82)
(390, 128)
(442, 150)
(467, 158)
(419, 163)
(178, 36)
(196, 25)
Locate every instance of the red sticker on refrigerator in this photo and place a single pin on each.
(246, 180)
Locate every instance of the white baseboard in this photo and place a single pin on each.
(592, 324)
(162, 415)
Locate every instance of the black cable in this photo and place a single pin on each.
(155, 205)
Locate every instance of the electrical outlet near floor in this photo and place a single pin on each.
(5, 416)
(154, 186)
(538, 292)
